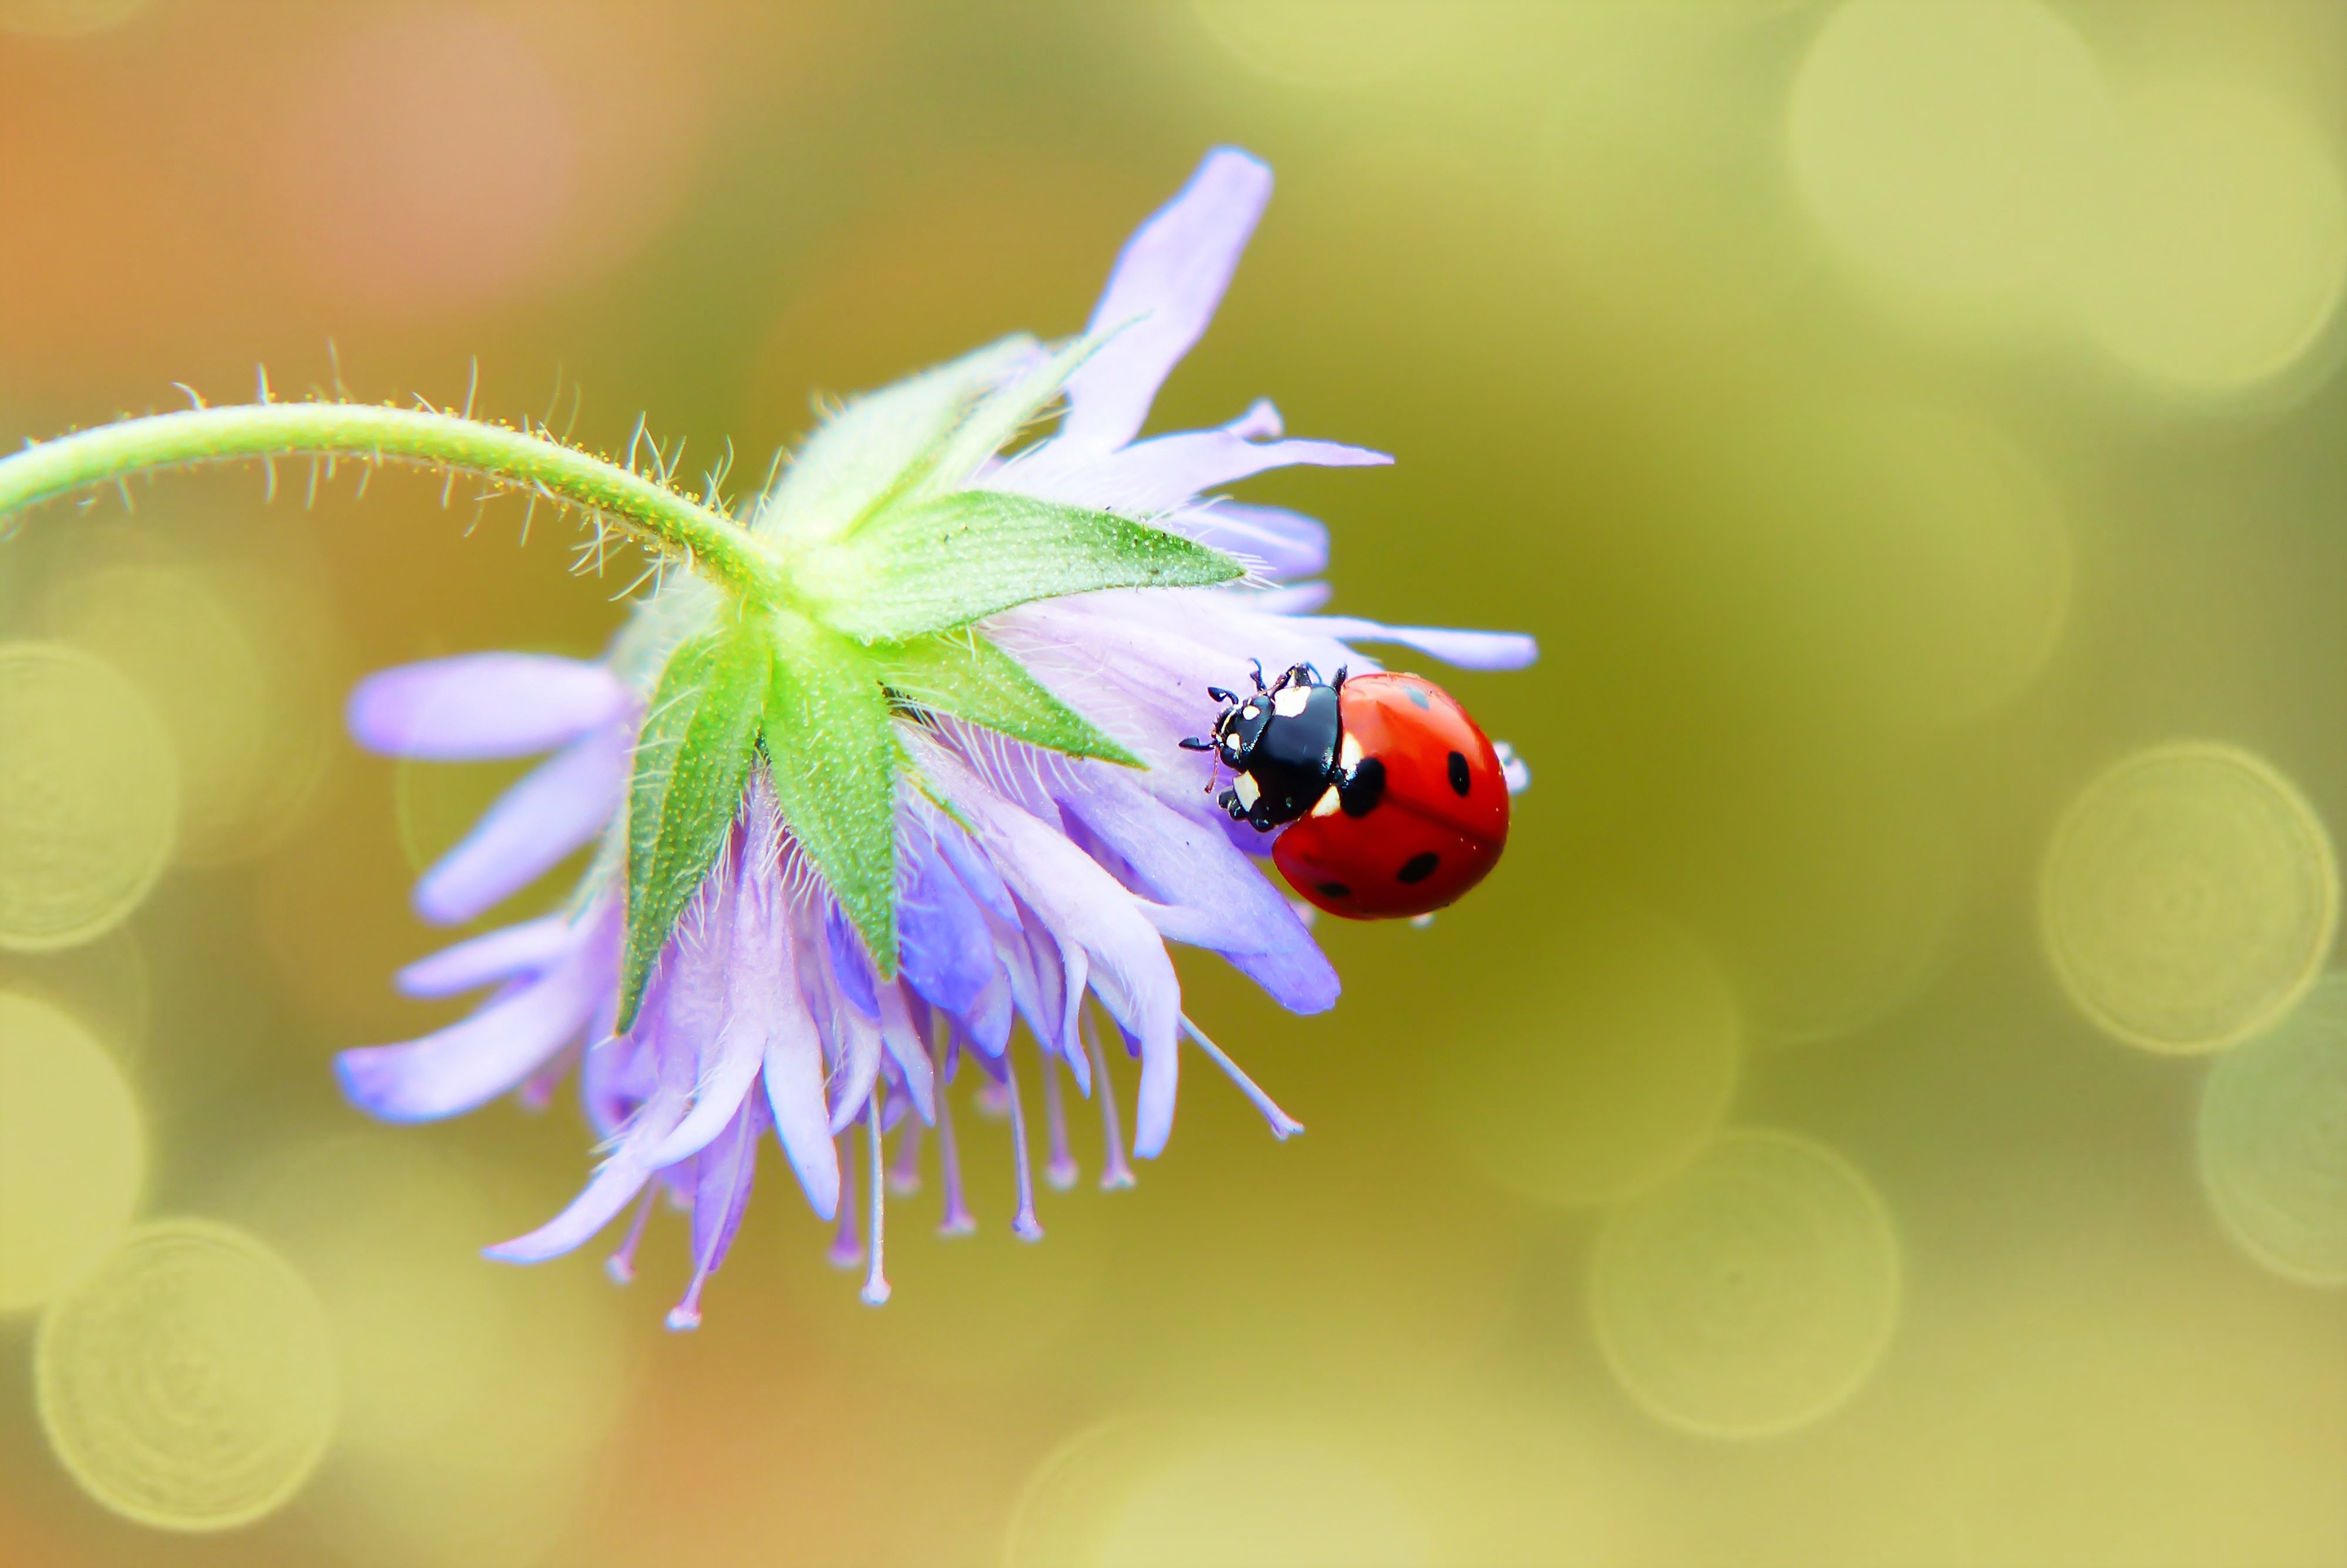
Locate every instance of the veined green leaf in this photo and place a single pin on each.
(833, 755)
(692, 761)
(946, 563)
(962, 674)
(881, 444)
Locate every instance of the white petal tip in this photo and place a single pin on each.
(683, 1319)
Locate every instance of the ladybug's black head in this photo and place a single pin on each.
(1241, 725)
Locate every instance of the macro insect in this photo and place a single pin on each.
(1393, 800)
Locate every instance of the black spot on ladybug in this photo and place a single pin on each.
(1418, 867)
(1332, 889)
(1417, 697)
(1360, 793)
(1458, 779)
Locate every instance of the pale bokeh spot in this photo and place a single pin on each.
(1908, 561)
(188, 1381)
(2220, 239)
(1613, 1069)
(475, 1398)
(89, 796)
(1295, 1499)
(105, 985)
(1329, 44)
(232, 655)
(73, 1153)
(1752, 1294)
(2189, 898)
(2273, 1141)
(1944, 145)
(66, 18)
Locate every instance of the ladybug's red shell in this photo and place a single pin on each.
(1436, 830)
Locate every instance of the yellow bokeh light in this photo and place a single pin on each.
(188, 1381)
(1292, 1498)
(1615, 1070)
(220, 648)
(1944, 145)
(2189, 898)
(65, 18)
(1752, 1294)
(72, 1152)
(474, 1397)
(104, 985)
(1329, 44)
(2218, 243)
(2273, 1141)
(1908, 562)
(89, 796)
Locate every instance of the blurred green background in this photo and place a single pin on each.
(1886, 1108)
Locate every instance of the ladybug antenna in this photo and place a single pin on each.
(1256, 665)
(1219, 695)
(1195, 743)
(1338, 684)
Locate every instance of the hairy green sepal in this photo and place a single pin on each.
(833, 759)
(692, 762)
(938, 564)
(963, 675)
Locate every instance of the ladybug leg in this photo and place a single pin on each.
(1195, 743)
(1229, 800)
(1219, 695)
(1338, 684)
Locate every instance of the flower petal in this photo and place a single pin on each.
(470, 1063)
(621, 1178)
(1083, 905)
(1467, 649)
(1158, 475)
(490, 959)
(942, 944)
(766, 987)
(478, 706)
(1187, 863)
(722, 1177)
(908, 1050)
(1168, 280)
(563, 803)
(1281, 543)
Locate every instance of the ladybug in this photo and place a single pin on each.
(1393, 800)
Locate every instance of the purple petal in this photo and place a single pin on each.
(941, 937)
(563, 803)
(1280, 543)
(468, 1064)
(907, 1049)
(976, 871)
(1158, 475)
(1167, 282)
(726, 1077)
(1083, 905)
(622, 1177)
(1466, 650)
(722, 1177)
(765, 986)
(478, 706)
(487, 959)
(858, 1069)
(848, 966)
(1187, 863)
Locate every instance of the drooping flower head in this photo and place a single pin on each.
(931, 786)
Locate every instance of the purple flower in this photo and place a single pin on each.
(1031, 886)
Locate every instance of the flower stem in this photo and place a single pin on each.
(505, 457)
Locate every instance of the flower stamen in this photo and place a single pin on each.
(1060, 1170)
(958, 1220)
(1024, 1224)
(905, 1169)
(1282, 1125)
(1115, 1173)
(621, 1264)
(875, 1282)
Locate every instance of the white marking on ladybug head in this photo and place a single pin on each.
(1244, 787)
(1328, 803)
(1249, 712)
(1349, 753)
(1291, 701)
(1231, 750)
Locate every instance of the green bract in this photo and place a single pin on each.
(884, 561)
